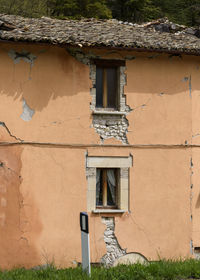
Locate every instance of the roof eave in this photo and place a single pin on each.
(120, 48)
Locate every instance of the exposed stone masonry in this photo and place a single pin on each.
(107, 123)
(114, 250)
(108, 126)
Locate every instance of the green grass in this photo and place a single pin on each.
(162, 270)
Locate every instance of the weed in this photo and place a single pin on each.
(161, 270)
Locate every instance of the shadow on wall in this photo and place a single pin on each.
(162, 74)
(39, 74)
(18, 232)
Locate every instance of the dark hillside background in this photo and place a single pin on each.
(186, 12)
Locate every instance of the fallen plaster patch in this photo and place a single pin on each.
(189, 80)
(106, 125)
(23, 55)
(27, 112)
(114, 251)
(81, 56)
(111, 126)
(196, 135)
(185, 79)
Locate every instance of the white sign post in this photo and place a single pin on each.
(85, 242)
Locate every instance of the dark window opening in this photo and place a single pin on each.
(107, 187)
(107, 83)
(197, 250)
(106, 87)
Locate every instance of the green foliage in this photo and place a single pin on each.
(162, 270)
(56, 8)
(185, 12)
(134, 10)
(27, 8)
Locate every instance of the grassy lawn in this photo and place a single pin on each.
(161, 270)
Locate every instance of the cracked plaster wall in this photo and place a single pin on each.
(159, 182)
(107, 125)
(17, 248)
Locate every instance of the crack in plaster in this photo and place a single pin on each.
(7, 129)
(191, 196)
(3, 165)
(20, 198)
(143, 231)
(21, 205)
(145, 104)
(190, 86)
(114, 251)
(21, 220)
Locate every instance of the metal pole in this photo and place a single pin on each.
(85, 242)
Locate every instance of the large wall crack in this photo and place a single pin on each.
(106, 125)
(11, 135)
(113, 124)
(114, 251)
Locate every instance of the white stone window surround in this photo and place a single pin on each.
(123, 109)
(124, 164)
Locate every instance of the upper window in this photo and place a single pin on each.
(107, 83)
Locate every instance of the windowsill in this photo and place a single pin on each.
(102, 112)
(112, 211)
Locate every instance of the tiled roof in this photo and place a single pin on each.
(160, 35)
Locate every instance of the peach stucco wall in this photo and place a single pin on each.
(43, 184)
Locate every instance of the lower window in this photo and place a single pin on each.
(107, 185)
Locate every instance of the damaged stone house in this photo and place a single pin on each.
(104, 117)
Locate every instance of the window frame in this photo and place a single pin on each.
(105, 189)
(123, 164)
(106, 64)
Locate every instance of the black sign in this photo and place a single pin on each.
(84, 222)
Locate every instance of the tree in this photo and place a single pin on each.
(79, 8)
(185, 12)
(134, 10)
